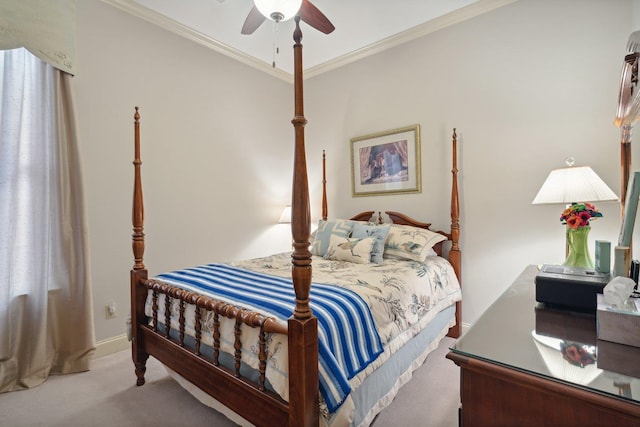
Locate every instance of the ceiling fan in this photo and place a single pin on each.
(283, 10)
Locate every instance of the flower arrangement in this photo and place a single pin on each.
(579, 214)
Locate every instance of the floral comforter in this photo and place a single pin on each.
(403, 297)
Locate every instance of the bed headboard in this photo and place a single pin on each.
(398, 218)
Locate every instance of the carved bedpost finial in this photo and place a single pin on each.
(297, 33)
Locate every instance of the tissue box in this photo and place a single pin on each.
(618, 290)
(618, 325)
(619, 358)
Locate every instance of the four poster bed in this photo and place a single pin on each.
(253, 362)
(257, 341)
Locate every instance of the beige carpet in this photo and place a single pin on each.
(107, 396)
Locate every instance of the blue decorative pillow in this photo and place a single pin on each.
(339, 227)
(378, 232)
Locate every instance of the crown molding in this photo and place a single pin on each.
(202, 39)
(460, 15)
(416, 32)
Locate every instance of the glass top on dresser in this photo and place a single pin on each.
(519, 333)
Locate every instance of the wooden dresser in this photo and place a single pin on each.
(524, 364)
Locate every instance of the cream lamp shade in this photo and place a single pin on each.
(285, 217)
(278, 10)
(573, 184)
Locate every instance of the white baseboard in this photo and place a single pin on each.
(111, 345)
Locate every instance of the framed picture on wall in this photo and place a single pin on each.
(386, 162)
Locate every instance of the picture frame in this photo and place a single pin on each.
(386, 163)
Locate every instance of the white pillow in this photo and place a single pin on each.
(347, 249)
(405, 241)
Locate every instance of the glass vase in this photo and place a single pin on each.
(578, 248)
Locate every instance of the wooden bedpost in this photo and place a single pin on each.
(137, 216)
(325, 210)
(303, 326)
(454, 252)
(138, 272)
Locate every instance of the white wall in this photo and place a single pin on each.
(216, 152)
(635, 14)
(526, 85)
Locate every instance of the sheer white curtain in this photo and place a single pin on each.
(46, 319)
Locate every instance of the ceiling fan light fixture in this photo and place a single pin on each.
(278, 10)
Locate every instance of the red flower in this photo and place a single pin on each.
(584, 216)
(574, 222)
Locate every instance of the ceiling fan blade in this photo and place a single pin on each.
(312, 16)
(253, 21)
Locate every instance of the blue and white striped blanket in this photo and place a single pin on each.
(348, 340)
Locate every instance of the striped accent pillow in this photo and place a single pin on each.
(339, 227)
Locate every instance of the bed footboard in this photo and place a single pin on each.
(241, 317)
(156, 337)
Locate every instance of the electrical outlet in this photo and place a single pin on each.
(110, 310)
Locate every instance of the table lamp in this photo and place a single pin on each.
(575, 186)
